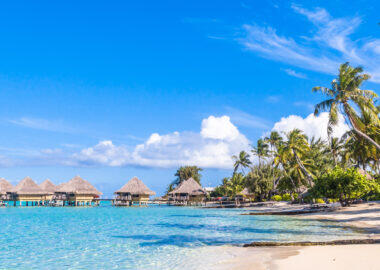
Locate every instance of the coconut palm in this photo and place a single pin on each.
(241, 161)
(185, 172)
(282, 158)
(235, 184)
(274, 140)
(335, 148)
(261, 150)
(297, 146)
(345, 91)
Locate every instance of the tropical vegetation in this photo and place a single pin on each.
(287, 166)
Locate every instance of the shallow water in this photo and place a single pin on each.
(155, 237)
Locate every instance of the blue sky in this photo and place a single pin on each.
(113, 90)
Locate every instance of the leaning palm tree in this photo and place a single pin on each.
(297, 145)
(241, 161)
(261, 150)
(345, 91)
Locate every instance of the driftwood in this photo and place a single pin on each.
(308, 243)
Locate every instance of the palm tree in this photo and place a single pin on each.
(345, 90)
(261, 150)
(235, 184)
(297, 146)
(281, 158)
(274, 140)
(335, 148)
(241, 161)
(185, 172)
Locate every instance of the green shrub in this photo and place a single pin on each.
(346, 185)
(319, 200)
(287, 197)
(276, 198)
(295, 196)
(332, 200)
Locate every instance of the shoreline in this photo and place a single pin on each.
(329, 255)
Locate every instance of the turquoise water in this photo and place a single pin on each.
(155, 237)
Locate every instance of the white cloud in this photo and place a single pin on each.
(293, 73)
(323, 51)
(49, 151)
(42, 124)
(212, 147)
(312, 126)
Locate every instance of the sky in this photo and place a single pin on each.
(109, 90)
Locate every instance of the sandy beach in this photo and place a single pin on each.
(364, 216)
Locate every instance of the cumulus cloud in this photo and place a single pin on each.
(212, 147)
(312, 126)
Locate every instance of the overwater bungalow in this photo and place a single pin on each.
(189, 192)
(48, 186)
(5, 187)
(29, 192)
(133, 192)
(77, 192)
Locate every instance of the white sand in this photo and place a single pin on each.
(365, 216)
(342, 257)
(332, 258)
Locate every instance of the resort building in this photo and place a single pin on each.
(77, 192)
(5, 187)
(189, 192)
(29, 192)
(133, 192)
(245, 195)
(48, 186)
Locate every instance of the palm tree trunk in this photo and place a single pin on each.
(357, 131)
(308, 176)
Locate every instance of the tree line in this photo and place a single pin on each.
(297, 167)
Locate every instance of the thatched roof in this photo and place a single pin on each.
(5, 186)
(245, 192)
(47, 185)
(136, 186)
(28, 187)
(189, 186)
(78, 185)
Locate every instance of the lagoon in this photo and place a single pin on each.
(154, 237)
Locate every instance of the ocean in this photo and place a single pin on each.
(154, 237)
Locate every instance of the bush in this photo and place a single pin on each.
(346, 185)
(319, 200)
(277, 198)
(286, 197)
(332, 200)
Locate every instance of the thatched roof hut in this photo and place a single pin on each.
(189, 186)
(135, 187)
(5, 186)
(78, 186)
(47, 185)
(245, 192)
(28, 187)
